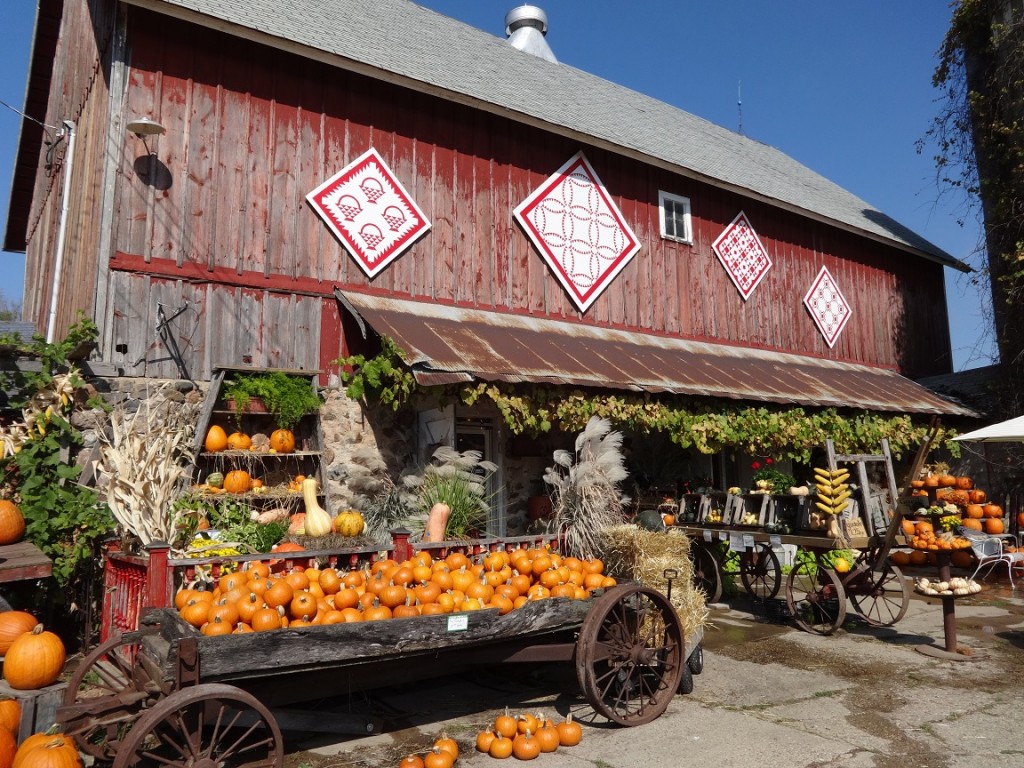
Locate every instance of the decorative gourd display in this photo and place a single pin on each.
(215, 479)
(239, 441)
(349, 522)
(237, 481)
(216, 439)
(35, 660)
(12, 522)
(318, 522)
(282, 441)
(13, 624)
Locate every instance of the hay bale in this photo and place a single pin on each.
(631, 553)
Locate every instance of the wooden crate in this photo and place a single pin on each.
(38, 707)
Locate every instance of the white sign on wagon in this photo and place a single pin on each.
(458, 623)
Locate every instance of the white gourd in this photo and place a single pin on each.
(318, 522)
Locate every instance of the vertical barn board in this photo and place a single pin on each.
(169, 235)
(201, 188)
(120, 319)
(280, 340)
(521, 252)
(359, 96)
(425, 181)
(464, 258)
(138, 328)
(230, 183)
(446, 206)
(330, 338)
(160, 363)
(382, 138)
(502, 228)
(257, 182)
(333, 258)
(483, 214)
(283, 157)
(305, 227)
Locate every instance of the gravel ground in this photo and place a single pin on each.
(769, 695)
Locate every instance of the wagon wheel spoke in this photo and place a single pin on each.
(760, 572)
(629, 654)
(707, 575)
(108, 690)
(881, 598)
(816, 598)
(209, 724)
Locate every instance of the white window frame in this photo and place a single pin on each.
(664, 197)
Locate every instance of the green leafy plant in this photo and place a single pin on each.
(767, 478)
(584, 488)
(459, 480)
(385, 376)
(287, 397)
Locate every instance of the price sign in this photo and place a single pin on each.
(735, 542)
(748, 541)
(707, 535)
(458, 623)
(775, 541)
(722, 535)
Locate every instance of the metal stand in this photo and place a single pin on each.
(951, 650)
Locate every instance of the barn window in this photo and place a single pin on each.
(674, 212)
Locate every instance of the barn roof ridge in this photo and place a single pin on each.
(398, 38)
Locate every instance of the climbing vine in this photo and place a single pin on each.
(705, 424)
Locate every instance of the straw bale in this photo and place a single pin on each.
(632, 553)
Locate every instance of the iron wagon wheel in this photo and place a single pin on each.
(707, 574)
(760, 572)
(881, 597)
(108, 691)
(210, 724)
(816, 598)
(630, 654)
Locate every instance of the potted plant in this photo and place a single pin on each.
(287, 397)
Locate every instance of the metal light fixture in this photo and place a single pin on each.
(143, 127)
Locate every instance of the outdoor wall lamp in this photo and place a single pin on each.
(143, 127)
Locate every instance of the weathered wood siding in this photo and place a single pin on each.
(79, 94)
(250, 130)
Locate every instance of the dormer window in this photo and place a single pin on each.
(674, 213)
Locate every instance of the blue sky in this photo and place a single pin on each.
(842, 86)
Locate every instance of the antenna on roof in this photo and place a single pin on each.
(739, 105)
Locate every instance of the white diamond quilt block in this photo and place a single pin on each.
(369, 211)
(578, 230)
(827, 306)
(745, 259)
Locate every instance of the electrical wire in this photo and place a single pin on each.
(27, 117)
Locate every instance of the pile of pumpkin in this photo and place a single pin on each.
(977, 511)
(526, 736)
(443, 754)
(922, 535)
(255, 599)
(33, 659)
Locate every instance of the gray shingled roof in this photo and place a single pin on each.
(418, 45)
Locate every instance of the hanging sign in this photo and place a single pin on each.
(369, 211)
(741, 252)
(827, 306)
(580, 232)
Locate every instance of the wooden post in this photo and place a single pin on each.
(401, 549)
(158, 576)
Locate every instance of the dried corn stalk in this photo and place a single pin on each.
(144, 462)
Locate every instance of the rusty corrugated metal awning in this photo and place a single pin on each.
(446, 345)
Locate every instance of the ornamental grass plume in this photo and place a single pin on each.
(584, 488)
(459, 480)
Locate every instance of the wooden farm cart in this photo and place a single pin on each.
(815, 594)
(168, 695)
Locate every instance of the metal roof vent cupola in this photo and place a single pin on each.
(526, 27)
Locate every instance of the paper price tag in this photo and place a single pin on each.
(748, 541)
(722, 535)
(775, 541)
(735, 542)
(458, 623)
(707, 536)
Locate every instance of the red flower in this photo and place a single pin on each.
(756, 465)
(768, 462)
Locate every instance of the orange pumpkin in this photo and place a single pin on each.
(974, 511)
(8, 747)
(50, 749)
(35, 660)
(931, 481)
(10, 716)
(239, 441)
(964, 483)
(282, 441)
(12, 522)
(1020, 519)
(992, 510)
(216, 439)
(973, 524)
(237, 481)
(13, 624)
(977, 496)
(994, 525)
(962, 558)
(946, 480)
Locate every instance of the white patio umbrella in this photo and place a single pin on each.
(1009, 431)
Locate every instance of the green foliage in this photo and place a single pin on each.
(287, 397)
(776, 480)
(458, 480)
(64, 519)
(384, 377)
(706, 424)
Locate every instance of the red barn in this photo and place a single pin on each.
(501, 216)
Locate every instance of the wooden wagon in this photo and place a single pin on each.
(168, 695)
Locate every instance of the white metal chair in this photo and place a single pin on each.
(990, 549)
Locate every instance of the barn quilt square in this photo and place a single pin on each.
(745, 259)
(580, 232)
(369, 211)
(827, 306)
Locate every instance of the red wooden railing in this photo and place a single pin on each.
(133, 583)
